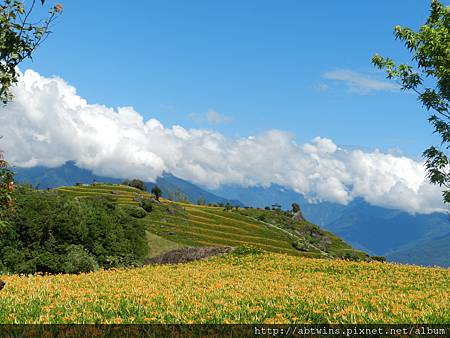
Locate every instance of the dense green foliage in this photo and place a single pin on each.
(147, 204)
(429, 78)
(19, 37)
(134, 211)
(6, 188)
(52, 232)
(79, 260)
(135, 183)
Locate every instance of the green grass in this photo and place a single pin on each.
(160, 245)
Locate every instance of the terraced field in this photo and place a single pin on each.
(202, 225)
(124, 195)
(178, 224)
(182, 224)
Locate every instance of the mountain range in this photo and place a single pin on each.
(395, 234)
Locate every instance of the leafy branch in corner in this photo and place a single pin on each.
(430, 49)
(19, 38)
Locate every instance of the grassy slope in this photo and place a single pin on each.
(249, 288)
(160, 245)
(200, 225)
(122, 194)
(181, 224)
(315, 238)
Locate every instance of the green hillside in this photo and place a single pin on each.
(123, 195)
(174, 224)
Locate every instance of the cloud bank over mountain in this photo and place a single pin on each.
(49, 124)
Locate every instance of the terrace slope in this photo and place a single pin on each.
(177, 224)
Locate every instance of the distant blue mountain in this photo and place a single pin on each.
(395, 234)
(170, 185)
(69, 174)
(434, 251)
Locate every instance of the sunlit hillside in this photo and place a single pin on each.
(174, 224)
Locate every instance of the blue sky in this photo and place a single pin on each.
(265, 92)
(259, 64)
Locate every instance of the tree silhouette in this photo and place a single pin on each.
(157, 192)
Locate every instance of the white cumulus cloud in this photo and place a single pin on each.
(49, 124)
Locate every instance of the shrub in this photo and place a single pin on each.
(147, 205)
(246, 250)
(378, 258)
(79, 260)
(122, 261)
(351, 256)
(134, 211)
(228, 207)
(300, 244)
(261, 218)
(48, 261)
(135, 183)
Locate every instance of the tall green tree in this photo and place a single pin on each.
(428, 75)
